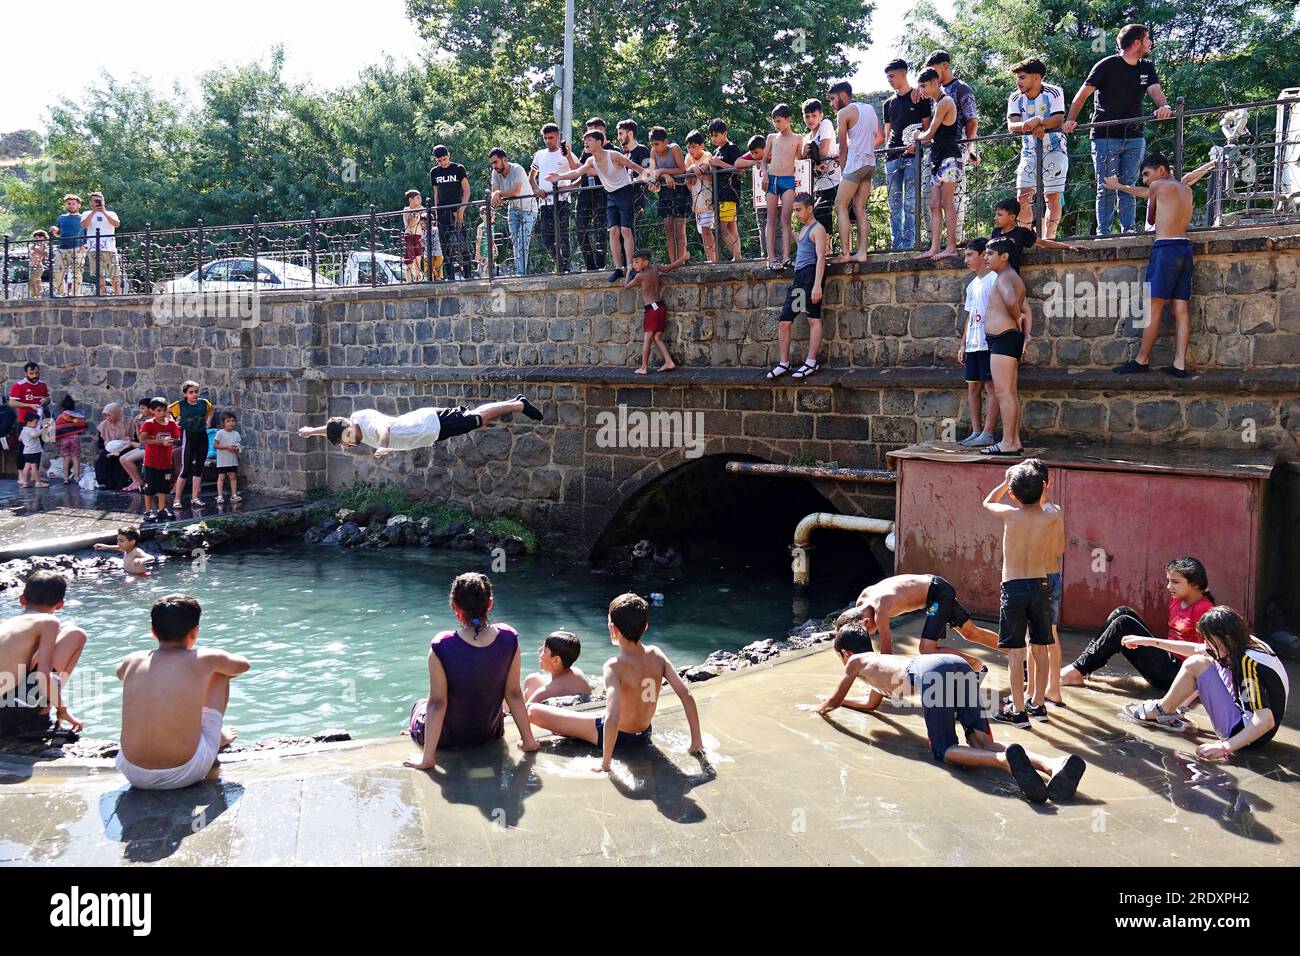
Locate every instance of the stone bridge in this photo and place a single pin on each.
(890, 379)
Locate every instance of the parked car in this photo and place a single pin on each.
(238, 273)
(388, 268)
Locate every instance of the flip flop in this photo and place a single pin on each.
(1064, 782)
(996, 449)
(1026, 777)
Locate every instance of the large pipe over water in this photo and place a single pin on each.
(801, 563)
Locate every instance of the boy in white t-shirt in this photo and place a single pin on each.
(32, 438)
(228, 443)
(974, 350)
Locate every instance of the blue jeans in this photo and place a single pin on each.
(900, 181)
(521, 234)
(1122, 158)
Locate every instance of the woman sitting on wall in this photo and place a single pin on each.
(113, 469)
(471, 671)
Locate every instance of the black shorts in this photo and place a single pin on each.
(803, 281)
(978, 368)
(942, 610)
(228, 470)
(949, 692)
(1011, 342)
(157, 481)
(1026, 605)
(456, 421)
(32, 458)
(194, 453)
(618, 207)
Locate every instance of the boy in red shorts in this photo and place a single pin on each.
(648, 277)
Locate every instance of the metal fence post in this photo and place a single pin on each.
(428, 243)
(148, 257)
(373, 227)
(555, 229)
(6, 265)
(99, 270)
(1040, 201)
(257, 242)
(311, 246)
(1179, 127)
(917, 195)
(199, 252)
(490, 219)
(49, 259)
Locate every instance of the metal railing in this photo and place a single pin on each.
(1250, 172)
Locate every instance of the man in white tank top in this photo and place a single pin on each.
(859, 135)
(615, 172)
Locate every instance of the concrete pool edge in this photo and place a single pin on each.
(33, 767)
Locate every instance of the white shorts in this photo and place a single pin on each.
(1055, 165)
(189, 773)
(859, 175)
(704, 220)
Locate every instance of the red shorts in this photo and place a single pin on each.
(656, 317)
(412, 247)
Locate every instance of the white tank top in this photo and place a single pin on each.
(617, 178)
(862, 140)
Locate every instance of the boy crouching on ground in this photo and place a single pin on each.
(173, 700)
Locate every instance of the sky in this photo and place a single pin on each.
(166, 43)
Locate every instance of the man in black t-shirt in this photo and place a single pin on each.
(1006, 217)
(639, 154)
(725, 155)
(1122, 82)
(904, 118)
(592, 234)
(449, 184)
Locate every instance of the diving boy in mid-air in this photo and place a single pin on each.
(416, 429)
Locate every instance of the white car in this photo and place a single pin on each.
(237, 273)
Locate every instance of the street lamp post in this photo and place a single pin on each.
(566, 121)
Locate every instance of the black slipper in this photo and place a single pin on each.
(531, 410)
(1173, 371)
(996, 449)
(1066, 780)
(1027, 778)
(1131, 367)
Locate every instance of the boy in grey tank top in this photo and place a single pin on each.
(805, 293)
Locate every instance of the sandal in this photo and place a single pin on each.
(806, 370)
(236, 498)
(1149, 712)
(997, 449)
(197, 503)
(779, 369)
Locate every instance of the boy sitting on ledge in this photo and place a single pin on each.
(557, 677)
(416, 429)
(633, 680)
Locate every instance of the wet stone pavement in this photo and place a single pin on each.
(780, 786)
(32, 515)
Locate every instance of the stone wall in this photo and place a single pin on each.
(891, 376)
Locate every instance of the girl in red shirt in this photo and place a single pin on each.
(1189, 598)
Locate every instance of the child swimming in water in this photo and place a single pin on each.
(134, 560)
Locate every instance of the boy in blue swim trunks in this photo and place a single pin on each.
(633, 681)
(1169, 271)
(784, 148)
(949, 693)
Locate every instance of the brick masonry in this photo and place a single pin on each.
(891, 375)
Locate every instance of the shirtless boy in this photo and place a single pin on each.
(134, 560)
(949, 692)
(784, 148)
(1008, 323)
(173, 701)
(1033, 540)
(647, 277)
(37, 655)
(633, 680)
(903, 593)
(1169, 271)
(557, 677)
(416, 429)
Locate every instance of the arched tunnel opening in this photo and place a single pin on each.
(700, 517)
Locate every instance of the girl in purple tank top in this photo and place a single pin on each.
(471, 671)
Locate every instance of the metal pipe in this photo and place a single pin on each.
(801, 563)
(871, 475)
